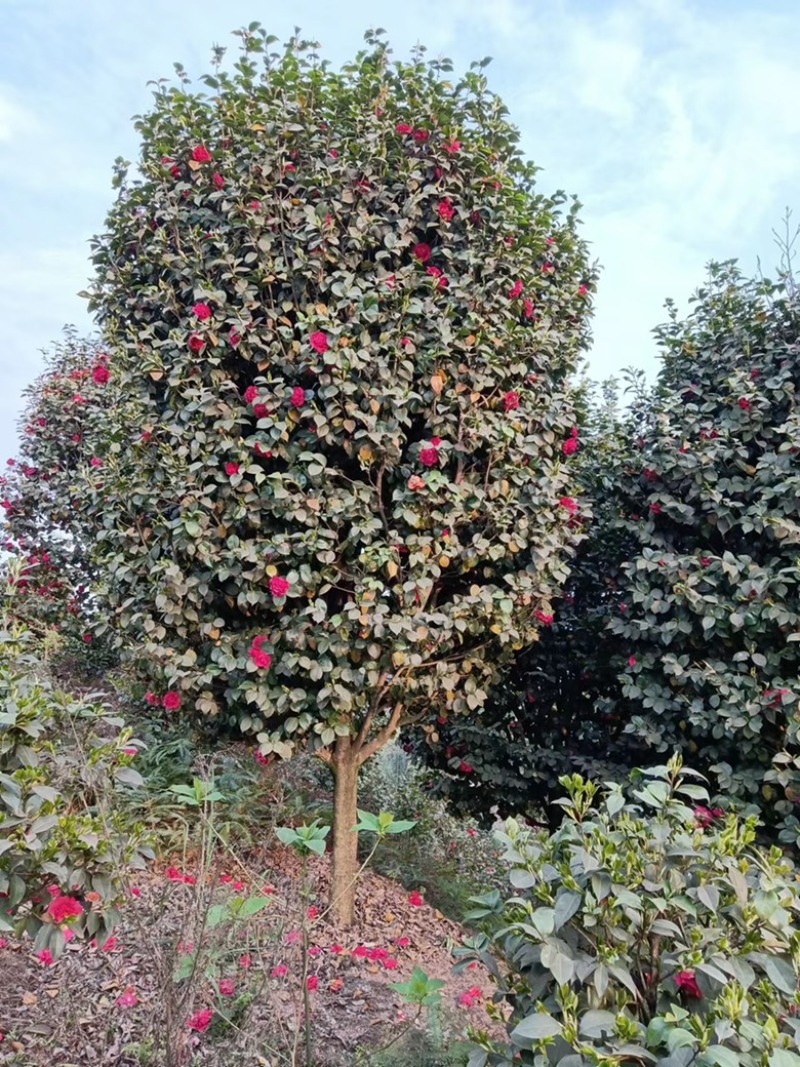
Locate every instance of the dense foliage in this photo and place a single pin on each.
(646, 929)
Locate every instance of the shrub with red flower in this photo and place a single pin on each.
(319, 342)
(200, 154)
(278, 586)
(62, 908)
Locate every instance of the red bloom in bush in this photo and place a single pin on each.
(231, 469)
(415, 483)
(743, 403)
(360, 951)
(544, 618)
(428, 456)
(171, 700)
(250, 393)
(196, 343)
(227, 987)
(100, 374)
(582, 290)
(569, 503)
(262, 659)
(631, 661)
(515, 290)
(445, 209)
(298, 397)
(278, 586)
(245, 961)
(415, 899)
(62, 908)
(465, 768)
(511, 401)
(687, 983)
(421, 252)
(570, 446)
(150, 698)
(403, 127)
(234, 337)
(217, 179)
(202, 311)
(704, 816)
(655, 509)
(260, 411)
(200, 1021)
(420, 135)
(45, 957)
(200, 154)
(319, 342)
(451, 147)
(95, 461)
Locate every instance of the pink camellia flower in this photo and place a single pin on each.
(217, 179)
(527, 308)
(511, 401)
(227, 987)
(548, 267)
(135, 891)
(415, 483)
(171, 700)
(250, 393)
(95, 461)
(231, 469)
(202, 311)
(150, 698)
(451, 147)
(245, 961)
(200, 154)
(631, 661)
(200, 1021)
(465, 768)
(515, 290)
(582, 290)
(45, 957)
(110, 944)
(428, 456)
(87, 638)
(687, 983)
(261, 758)
(415, 899)
(569, 503)
(336, 950)
(360, 952)
(76, 439)
(62, 908)
(704, 816)
(233, 337)
(421, 252)
(196, 343)
(544, 618)
(312, 912)
(312, 982)
(403, 127)
(100, 374)
(129, 751)
(278, 586)
(128, 998)
(655, 509)
(280, 971)
(67, 934)
(402, 942)
(319, 342)
(570, 446)
(262, 659)
(743, 403)
(298, 397)
(333, 154)
(260, 411)
(421, 136)
(445, 209)
(315, 951)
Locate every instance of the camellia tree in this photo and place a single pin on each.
(342, 324)
(711, 620)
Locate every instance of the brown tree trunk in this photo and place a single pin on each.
(344, 765)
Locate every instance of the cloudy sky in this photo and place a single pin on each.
(675, 121)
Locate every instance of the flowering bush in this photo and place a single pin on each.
(62, 845)
(306, 294)
(640, 932)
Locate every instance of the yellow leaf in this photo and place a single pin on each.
(474, 397)
(444, 561)
(321, 309)
(437, 384)
(398, 658)
(365, 454)
(374, 406)
(391, 569)
(469, 341)
(496, 629)
(194, 165)
(271, 570)
(257, 127)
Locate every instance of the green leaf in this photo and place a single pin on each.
(567, 904)
(535, 1027)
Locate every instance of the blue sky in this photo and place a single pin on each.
(675, 121)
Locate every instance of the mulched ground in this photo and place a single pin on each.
(70, 1013)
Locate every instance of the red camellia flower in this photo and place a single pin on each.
(200, 1021)
(743, 403)
(196, 343)
(465, 768)
(95, 461)
(515, 290)
(428, 456)
(234, 337)
(569, 503)
(445, 209)
(582, 290)
(227, 987)
(250, 394)
(415, 900)
(171, 700)
(570, 446)
(631, 661)
(278, 586)
(217, 179)
(202, 311)
(544, 618)
(128, 998)
(231, 469)
(421, 252)
(403, 127)
(261, 659)
(151, 698)
(45, 957)
(451, 147)
(415, 483)
(280, 971)
(655, 509)
(62, 908)
(319, 342)
(687, 983)
(704, 816)
(298, 397)
(100, 374)
(511, 401)
(200, 154)
(312, 982)
(420, 135)
(260, 411)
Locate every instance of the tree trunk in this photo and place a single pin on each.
(345, 841)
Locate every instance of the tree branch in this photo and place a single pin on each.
(382, 736)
